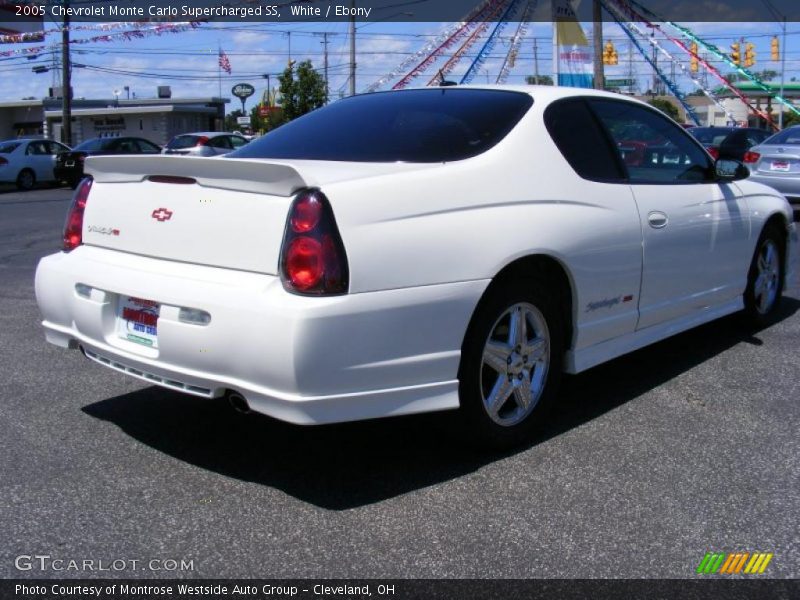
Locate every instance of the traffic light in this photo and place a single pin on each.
(735, 56)
(749, 54)
(610, 56)
(694, 64)
(776, 49)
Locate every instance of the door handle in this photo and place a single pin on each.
(657, 219)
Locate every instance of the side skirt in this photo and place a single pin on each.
(584, 359)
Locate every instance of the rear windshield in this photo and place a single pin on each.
(95, 145)
(418, 126)
(787, 136)
(8, 148)
(183, 141)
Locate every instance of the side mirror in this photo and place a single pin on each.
(728, 169)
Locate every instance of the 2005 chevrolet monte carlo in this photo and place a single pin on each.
(412, 251)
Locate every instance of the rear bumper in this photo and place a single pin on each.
(67, 173)
(302, 360)
(788, 186)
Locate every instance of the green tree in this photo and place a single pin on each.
(665, 106)
(542, 80)
(789, 119)
(302, 90)
(767, 75)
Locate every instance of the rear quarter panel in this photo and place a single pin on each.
(468, 219)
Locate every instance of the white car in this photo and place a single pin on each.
(204, 143)
(413, 251)
(25, 162)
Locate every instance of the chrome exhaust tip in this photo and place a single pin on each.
(238, 402)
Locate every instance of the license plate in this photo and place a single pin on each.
(137, 321)
(69, 163)
(779, 165)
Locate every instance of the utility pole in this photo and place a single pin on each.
(597, 34)
(631, 77)
(536, 61)
(780, 17)
(783, 72)
(289, 36)
(656, 80)
(66, 84)
(353, 48)
(325, 63)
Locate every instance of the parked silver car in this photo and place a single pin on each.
(204, 143)
(27, 161)
(776, 163)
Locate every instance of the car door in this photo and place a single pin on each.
(54, 149)
(606, 239)
(694, 228)
(38, 158)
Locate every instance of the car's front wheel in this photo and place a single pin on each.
(765, 278)
(511, 363)
(26, 179)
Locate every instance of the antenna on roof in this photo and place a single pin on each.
(444, 82)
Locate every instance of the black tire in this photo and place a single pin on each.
(26, 180)
(477, 379)
(765, 279)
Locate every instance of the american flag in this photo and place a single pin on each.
(224, 63)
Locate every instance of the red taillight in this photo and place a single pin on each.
(304, 263)
(306, 213)
(751, 157)
(313, 260)
(73, 228)
(714, 152)
(202, 140)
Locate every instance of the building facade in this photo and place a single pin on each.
(156, 119)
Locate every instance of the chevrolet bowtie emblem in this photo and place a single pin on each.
(162, 214)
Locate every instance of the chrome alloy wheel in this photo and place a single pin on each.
(765, 289)
(514, 366)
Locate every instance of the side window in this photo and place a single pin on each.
(221, 141)
(237, 141)
(36, 148)
(56, 148)
(146, 147)
(577, 135)
(654, 149)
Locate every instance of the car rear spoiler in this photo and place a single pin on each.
(240, 175)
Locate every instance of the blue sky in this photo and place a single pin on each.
(258, 48)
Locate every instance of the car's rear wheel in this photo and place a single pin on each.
(765, 278)
(511, 363)
(26, 179)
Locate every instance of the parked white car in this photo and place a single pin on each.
(413, 251)
(25, 162)
(204, 143)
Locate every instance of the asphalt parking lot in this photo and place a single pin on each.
(687, 447)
